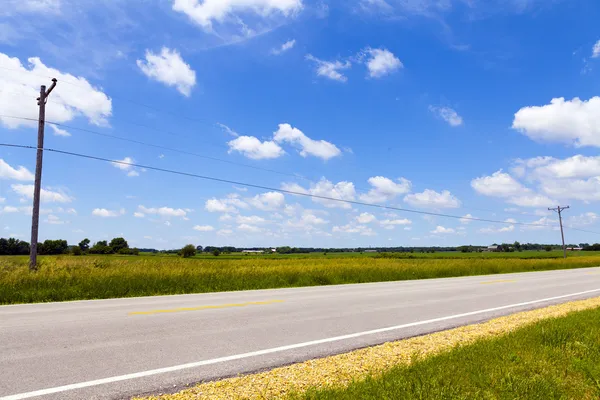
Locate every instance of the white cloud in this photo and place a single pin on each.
(504, 229)
(32, 6)
(589, 218)
(249, 228)
(269, 201)
(284, 47)
(325, 188)
(306, 222)
(577, 189)
(46, 196)
(330, 70)
(18, 174)
(392, 223)
(385, 189)
(169, 68)
(499, 184)
(253, 148)
(207, 12)
(104, 213)
(531, 200)
(432, 199)
(168, 223)
(226, 205)
(163, 211)
(10, 210)
(365, 218)
(204, 228)
(578, 166)
(123, 165)
(447, 114)
(54, 220)
(139, 214)
(382, 62)
(253, 220)
(574, 121)
(58, 131)
(441, 230)
(466, 219)
(363, 230)
(308, 147)
(596, 50)
(2, 200)
(79, 99)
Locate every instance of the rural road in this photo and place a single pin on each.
(114, 349)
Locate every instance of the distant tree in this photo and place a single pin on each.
(101, 247)
(117, 244)
(216, 252)
(135, 251)
(84, 245)
(199, 249)
(548, 248)
(517, 246)
(53, 247)
(13, 247)
(188, 251)
(76, 251)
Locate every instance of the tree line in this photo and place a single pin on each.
(16, 247)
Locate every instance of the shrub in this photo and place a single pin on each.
(188, 251)
(76, 251)
(216, 252)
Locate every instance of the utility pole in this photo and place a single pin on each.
(35, 219)
(559, 210)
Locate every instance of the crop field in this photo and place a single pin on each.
(62, 278)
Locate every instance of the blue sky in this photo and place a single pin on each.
(476, 108)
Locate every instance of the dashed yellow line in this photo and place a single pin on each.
(498, 281)
(209, 307)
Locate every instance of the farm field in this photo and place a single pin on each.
(63, 278)
(557, 358)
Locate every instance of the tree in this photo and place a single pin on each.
(199, 249)
(216, 252)
(76, 251)
(517, 246)
(188, 251)
(548, 248)
(117, 244)
(53, 247)
(101, 247)
(84, 245)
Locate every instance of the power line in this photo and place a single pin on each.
(262, 187)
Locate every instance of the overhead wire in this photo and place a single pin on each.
(264, 187)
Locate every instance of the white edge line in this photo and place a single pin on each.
(158, 371)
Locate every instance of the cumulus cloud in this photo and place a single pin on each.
(325, 188)
(104, 213)
(124, 165)
(575, 122)
(365, 218)
(249, 228)
(466, 219)
(385, 189)
(169, 68)
(80, 99)
(432, 199)
(46, 196)
(163, 211)
(596, 50)
(382, 62)
(363, 230)
(330, 69)
(204, 228)
(205, 13)
(252, 220)
(59, 132)
(19, 173)
(499, 184)
(578, 166)
(253, 148)
(308, 147)
(589, 218)
(392, 223)
(139, 214)
(442, 230)
(284, 47)
(231, 204)
(447, 114)
(269, 201)
(504, 229)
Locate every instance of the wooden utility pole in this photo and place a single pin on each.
(559, 210)
(35, 219)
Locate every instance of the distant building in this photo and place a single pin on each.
(574, 248)
(492, 248)
(252, 251)
(371, 251)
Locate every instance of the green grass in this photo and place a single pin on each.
(553, 359)
(63, 278)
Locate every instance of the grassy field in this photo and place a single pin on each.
(553, 359)
(63, 278)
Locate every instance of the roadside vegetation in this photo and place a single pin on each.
(67, 277)
(552, 359)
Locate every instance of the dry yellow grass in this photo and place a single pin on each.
(340, 370)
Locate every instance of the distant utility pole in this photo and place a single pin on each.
(35, 220)
(559, 210)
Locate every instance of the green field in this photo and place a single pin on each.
(553, 359)
(62, 278)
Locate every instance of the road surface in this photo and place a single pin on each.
(117, 348)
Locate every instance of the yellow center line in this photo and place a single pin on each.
(498, 281)
(209, 307)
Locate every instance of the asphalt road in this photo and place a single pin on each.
(114, 349)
